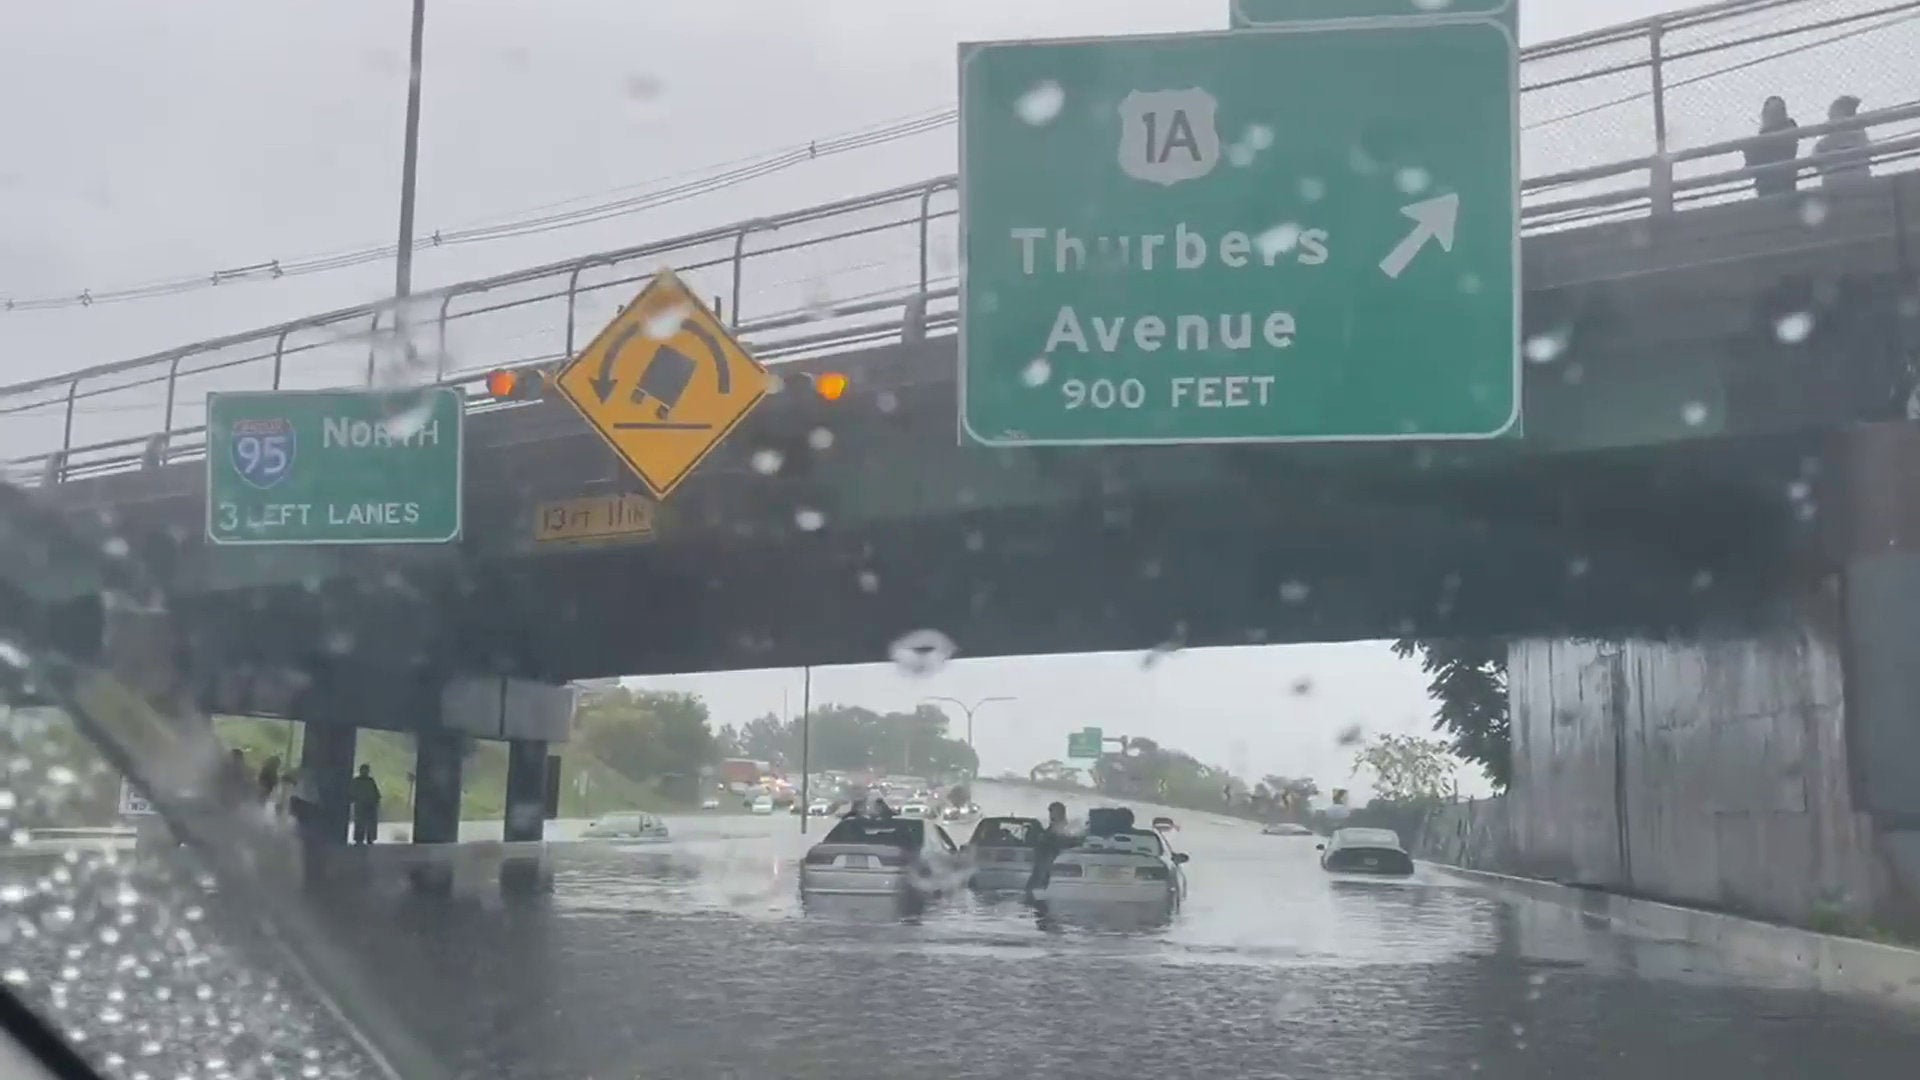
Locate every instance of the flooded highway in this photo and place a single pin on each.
(695, 958)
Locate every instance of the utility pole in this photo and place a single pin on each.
(409, 169)
(806, 746)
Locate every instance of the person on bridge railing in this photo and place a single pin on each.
(1777, 146)
(1843, 152)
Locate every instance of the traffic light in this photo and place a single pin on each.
(517, 384)
(816, 385)
(1339, 796)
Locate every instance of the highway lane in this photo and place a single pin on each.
(694, 958)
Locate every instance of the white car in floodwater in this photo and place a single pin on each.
(1375, 852)
(762, 805)
(629, 825)
(1135, 870)
(900, 857)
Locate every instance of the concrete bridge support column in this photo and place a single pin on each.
(436, 806)
(1878, 549)
(327, 756)
(526, 790)
(520, 870)
(436, 790)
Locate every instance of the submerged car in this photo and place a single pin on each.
(1285, 828)
(634, 825)
(761, 805)
(1000, 853)
(881, 856)
(1118, 868)
(1365, 851)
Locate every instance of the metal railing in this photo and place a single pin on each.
(892, 255)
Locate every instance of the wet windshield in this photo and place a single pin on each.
(527, 529)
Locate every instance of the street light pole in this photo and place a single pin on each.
(969, 710)
(806, 745)
(409, 166)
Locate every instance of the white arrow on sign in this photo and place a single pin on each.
(1433, 219)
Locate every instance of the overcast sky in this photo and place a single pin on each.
(148, 141)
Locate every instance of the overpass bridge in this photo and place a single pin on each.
(1712, 434)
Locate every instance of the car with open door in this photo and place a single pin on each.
(1000, 853)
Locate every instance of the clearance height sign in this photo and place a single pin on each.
(1264, 235)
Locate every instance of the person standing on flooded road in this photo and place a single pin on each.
(1055, 837)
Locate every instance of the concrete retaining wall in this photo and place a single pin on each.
(1705, 772)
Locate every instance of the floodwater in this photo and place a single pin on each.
(695, 958)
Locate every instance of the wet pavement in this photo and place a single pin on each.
(695, 958)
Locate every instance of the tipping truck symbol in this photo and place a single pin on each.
(668, 373)
(665, 379)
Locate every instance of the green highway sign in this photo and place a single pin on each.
(1269, 12)
(1259, 235)
(1084, 743)
(334, 466)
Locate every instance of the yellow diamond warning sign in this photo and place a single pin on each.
(664, 383)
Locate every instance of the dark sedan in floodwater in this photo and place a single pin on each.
(1365, 851)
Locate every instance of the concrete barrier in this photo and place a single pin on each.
(1805, 959)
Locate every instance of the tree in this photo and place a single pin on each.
(856, 738)
(1469, 683)
(959, 794)
(1295, 789)
(1054, 770)
(1407, 767)
(767, 738)
(647, 734)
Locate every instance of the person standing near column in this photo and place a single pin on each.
(363, 796)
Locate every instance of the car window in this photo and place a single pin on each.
(894, 831)
(1366, 837)
(1021, 831)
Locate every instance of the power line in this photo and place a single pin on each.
(734, 173)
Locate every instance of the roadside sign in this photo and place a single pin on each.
(664, 383)
(1296, 233)
(608, 517)
(132, 803)
(1269, 12)
(1084, 743)
(334, 466)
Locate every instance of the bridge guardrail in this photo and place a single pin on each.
(895, 252)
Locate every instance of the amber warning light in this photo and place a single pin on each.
(830, 385)
(514, 384)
